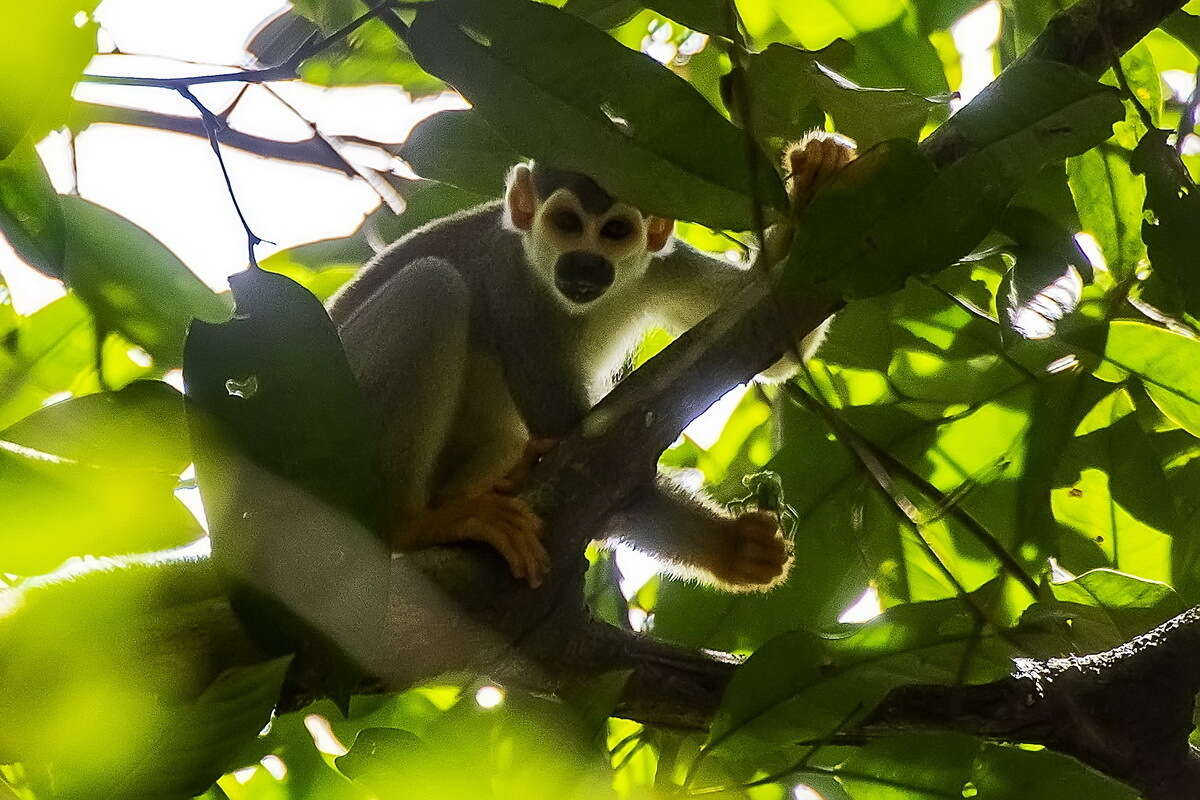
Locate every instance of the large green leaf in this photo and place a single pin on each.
(132, 282)
(95, 475)
(890, 214)
(941, 766)
(458, 148)
(801, 687)
(1110, 198)
(30, 215)
(1169, 225)
(651, 138)
(285, 457)
(1165, 362)
(39, 63)
(53, 351)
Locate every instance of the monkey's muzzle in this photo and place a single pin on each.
(582, 276)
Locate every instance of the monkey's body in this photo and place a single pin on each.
(502, 325)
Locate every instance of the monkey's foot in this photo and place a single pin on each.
(754, 554)
(505, 522)
(514, 480)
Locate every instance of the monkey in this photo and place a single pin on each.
(483, 337)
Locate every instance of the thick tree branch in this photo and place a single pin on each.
(1126, 712)
(313, 151)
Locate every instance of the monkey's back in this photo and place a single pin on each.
(454, 238)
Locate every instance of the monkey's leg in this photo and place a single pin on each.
(697, 540)
(407, 346)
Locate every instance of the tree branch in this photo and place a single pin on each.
(1126, 712)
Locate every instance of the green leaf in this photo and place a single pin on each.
(1165, 362)
(709, 16)
(603, 13)
(285, 459)
(1106, 608)
(372, 54)
(890, 214)
(30, 215)
(1169, 225)
(1109, 198)
(458, 148)
(1112, 493)
(53, 351)
(889, 50)
(789, 87)
(142, 425)
(1012, 773)
(132, 283)
(914, 767)
(95, 475)
(329, 15)
(801, 687)
(514, 60)
(200, 739)
(40, 63)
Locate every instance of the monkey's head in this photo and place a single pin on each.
(579, 239)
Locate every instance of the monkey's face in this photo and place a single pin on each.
(586, 256)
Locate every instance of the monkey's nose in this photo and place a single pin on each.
(582, 276)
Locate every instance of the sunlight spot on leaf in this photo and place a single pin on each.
(489, 696)
(324, 739)
(80, 19)
(865, 608)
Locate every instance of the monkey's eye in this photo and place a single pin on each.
(566, 221)
(617, 229)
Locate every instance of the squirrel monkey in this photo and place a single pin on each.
(482, 337)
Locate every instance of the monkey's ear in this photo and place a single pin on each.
(658, 232)
(520, 202)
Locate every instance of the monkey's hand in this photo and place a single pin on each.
(808, 165)
(505, 522)
(752, 553)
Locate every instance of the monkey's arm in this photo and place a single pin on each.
(697, 540)
(407, 344)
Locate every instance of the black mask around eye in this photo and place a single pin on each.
(582, 276)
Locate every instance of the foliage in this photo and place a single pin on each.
(998, 495)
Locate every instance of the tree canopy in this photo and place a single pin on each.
(989, 466)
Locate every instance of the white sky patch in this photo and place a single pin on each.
(170, 184)
(975, 34)
(636, 568)
(706, 429)
(489, 696)
(324, 739)
(274, 765)
(1091, 248)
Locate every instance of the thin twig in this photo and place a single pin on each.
(281, 72)
(211, 125)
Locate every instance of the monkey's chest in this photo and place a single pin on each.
(488, 434)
